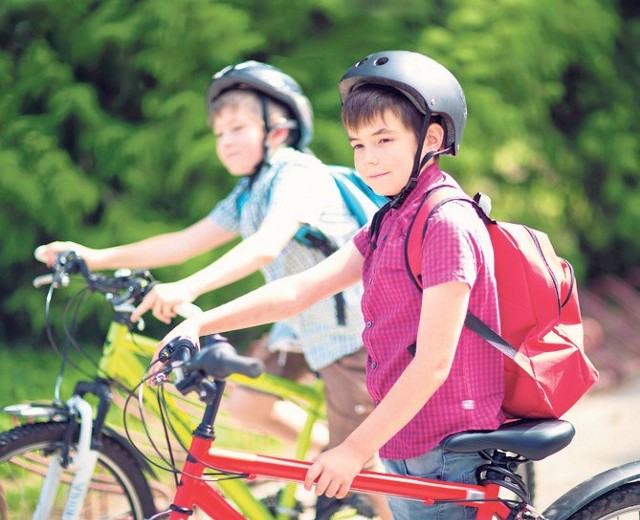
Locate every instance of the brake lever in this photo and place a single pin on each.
(128, 308)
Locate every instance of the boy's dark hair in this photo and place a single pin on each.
(364, 104)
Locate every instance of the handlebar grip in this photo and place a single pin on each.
(220, 360)
(187, 310)
(178, 349)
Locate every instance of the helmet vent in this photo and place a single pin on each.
(381, 61)
(362, 61)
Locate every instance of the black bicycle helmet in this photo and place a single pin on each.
(269, 80)
(429, 86)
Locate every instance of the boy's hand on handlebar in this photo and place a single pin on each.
(183, 331)
(162, 300)
(333, 471)
(47, 253)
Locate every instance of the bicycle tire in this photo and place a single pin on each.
(621, 503)
(118, 487)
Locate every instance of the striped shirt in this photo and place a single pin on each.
(456, 247)
(301, 180)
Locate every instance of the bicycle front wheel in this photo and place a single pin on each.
(118, 489)
(622, 503)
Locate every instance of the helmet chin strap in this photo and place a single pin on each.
(418, 164)
(396, 201)
(267, 128)
(265, 148)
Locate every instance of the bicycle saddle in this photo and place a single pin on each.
(533, 439)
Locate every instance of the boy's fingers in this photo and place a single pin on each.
(343, 491)
(312, 474)
(140, 310)
(147, 304)
(40, 254)
(162, 311)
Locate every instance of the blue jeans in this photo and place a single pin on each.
(436, 464)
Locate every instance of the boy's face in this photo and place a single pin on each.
(239, 139)
(383, 153)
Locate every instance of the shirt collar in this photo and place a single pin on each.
(430, 176)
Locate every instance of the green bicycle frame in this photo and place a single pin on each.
(124, 358)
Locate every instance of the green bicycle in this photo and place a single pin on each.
(72, 459)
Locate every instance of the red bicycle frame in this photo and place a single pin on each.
(196, 490)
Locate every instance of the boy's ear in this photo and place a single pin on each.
(434, 139)
(277, 136)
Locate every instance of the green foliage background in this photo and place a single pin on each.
(103, 134)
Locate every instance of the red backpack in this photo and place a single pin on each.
(546, 369)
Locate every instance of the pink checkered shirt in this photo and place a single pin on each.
(456, 247)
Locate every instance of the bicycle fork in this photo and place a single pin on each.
(82, 466)
(84, 462)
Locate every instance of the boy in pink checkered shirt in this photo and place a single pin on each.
(428, 375)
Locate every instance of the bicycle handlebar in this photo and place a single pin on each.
(219, 359)
(124, 290)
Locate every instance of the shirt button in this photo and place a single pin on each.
(374, 364)
(369, 324)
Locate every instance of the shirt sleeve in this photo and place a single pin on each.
(306, 190)
(361, 240)
(449, 251)
(226, 213)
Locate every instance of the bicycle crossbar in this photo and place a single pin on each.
(255, 465)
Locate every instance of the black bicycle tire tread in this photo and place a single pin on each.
(614, 501)
(29, 434)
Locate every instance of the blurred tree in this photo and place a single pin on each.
(103, 135)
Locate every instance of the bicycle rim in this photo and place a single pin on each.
(118, 490)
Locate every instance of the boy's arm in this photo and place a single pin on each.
(277, 300)
(157, 251)
(442, 316)
(254, 252)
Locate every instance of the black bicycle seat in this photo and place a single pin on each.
(533, 439)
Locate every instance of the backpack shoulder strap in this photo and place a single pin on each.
(432, 200)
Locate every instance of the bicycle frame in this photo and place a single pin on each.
(194, 490)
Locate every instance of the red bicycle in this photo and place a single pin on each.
(500, 493)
